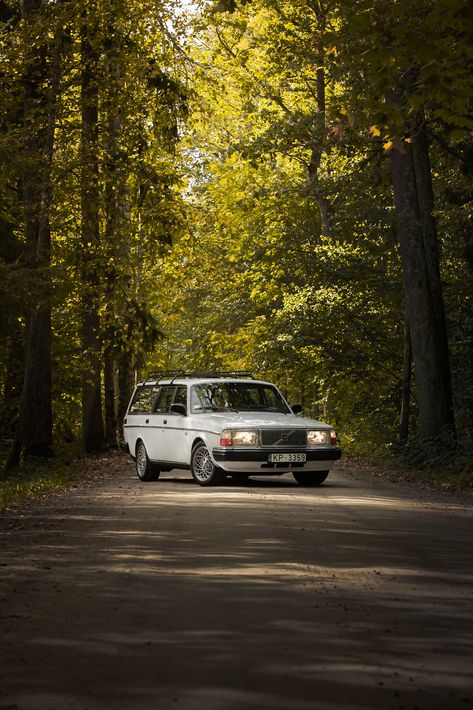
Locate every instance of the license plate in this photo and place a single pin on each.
(287, 458)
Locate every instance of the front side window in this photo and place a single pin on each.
(181, 395)
(237, 396)
(144, 399)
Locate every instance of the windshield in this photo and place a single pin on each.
(237, 397)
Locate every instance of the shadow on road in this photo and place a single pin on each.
(262, 595)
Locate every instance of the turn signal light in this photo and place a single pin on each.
(226, 438)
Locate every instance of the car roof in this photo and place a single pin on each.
(192, 379)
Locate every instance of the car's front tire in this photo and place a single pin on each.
(310, 478)
(145, 469)
(204, 471)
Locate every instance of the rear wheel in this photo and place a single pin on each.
(310, 478)
(146, 470)
(204, 471)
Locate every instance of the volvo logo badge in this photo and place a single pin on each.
(284, 438)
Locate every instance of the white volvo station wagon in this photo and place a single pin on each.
(223, 424)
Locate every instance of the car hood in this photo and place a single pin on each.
(230, 420)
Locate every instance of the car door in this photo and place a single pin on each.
(176, 439)
(158, 424)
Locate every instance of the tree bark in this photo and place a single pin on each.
(109, 391)
(432, 388)
(116, 205)
(34, 432)
(92, 421)
(319, 141)
(125, 387)
(425, 197)
(406, 387)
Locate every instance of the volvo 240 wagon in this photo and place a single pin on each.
(224, 424)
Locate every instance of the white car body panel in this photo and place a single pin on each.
(170, 437)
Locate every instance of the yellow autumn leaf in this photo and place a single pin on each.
(388, 145)
(375, 132)
(332, 50)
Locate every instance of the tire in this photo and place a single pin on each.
(310, 478)
(145, 470)
(204, 471)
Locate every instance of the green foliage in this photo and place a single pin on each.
(260, 282)
(245, 205)
(142, 104)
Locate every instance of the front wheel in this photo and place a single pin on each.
(146, 470)
(310, 478)
(204, 471)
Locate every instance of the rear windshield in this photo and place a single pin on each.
(238, 397)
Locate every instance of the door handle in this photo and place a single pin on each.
(147, 421)
(165, 421)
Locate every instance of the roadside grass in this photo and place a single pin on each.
(447, 470)
(70, 468)
(36, 479)
(440, 469)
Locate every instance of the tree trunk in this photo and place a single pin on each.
(125, 387)
(406, 387)
(115, 208)
(14, 379)
(319, 141)
(425, 197)
(109, 391)
(432, 388)
(92, 421)
(34, 432)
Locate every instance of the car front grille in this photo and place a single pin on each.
(283, 437)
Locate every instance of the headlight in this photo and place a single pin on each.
(238, 438)
(320, 437)
(244, 438)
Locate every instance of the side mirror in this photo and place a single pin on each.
(179, 408)
(296, 408)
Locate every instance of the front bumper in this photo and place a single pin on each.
(254, 461)
(261, 455)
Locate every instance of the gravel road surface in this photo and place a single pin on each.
(125, 595)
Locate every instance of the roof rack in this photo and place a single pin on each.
(182, 374)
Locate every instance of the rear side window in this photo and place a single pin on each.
(144, 399)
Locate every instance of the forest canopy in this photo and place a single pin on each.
(281, 186)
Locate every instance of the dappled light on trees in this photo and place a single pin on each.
(279, 186)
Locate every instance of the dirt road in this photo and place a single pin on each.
(267, 595)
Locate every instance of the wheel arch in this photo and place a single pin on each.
(198, 440)
(138, 440)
